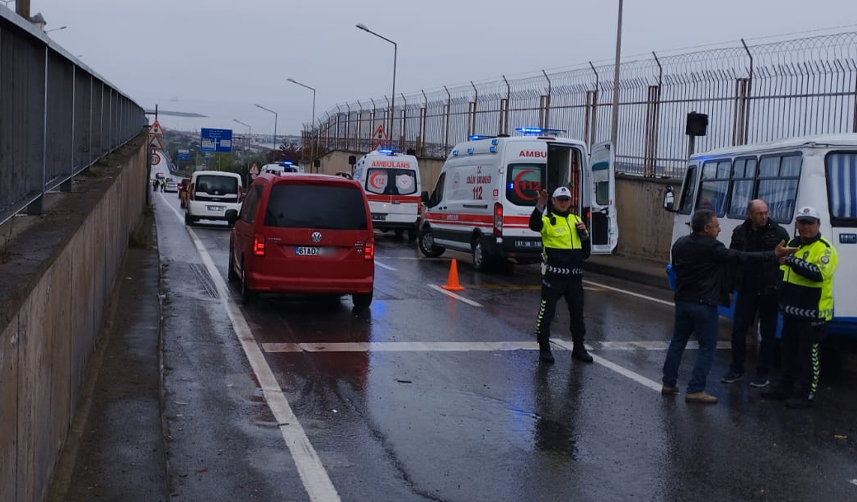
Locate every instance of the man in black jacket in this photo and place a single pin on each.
(699, 261)
(756, 286)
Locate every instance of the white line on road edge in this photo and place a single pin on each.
(384, 266)
(317, 483)
(461, 346)
(615, 367)
(457, 297)
(631, 293)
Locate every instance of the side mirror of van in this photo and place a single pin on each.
(669, 199)
(231, 215)
(424, 197)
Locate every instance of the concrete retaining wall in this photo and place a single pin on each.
(57, 277)
(644, 227)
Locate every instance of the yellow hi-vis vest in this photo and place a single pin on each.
(807, 287)
(562, 234)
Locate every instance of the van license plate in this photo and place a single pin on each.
(379, 216)
(308, 251)
(528, 244)
(215, 208)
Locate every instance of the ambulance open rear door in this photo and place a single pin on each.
(604, 229)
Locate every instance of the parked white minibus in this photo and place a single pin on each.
(818, 171)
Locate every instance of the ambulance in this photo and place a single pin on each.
(488, 188)
(392, 184)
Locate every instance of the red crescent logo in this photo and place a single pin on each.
(373, 180)
(517, 182)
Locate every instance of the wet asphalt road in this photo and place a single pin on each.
(425, 397)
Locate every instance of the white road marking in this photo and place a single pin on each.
(463, 346)
(615, 367)
(315, 479)
(453, 295)
(631, 293)
(387, 267)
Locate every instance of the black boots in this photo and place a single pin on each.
(579, 352)
(545, 355)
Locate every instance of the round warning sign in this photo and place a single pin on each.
(156, 159)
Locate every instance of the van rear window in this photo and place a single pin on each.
(217, 185)
(523, 183)
(842, 188)
(404, 181)
(316, 206)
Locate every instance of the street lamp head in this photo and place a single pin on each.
(292, 80)
(362, 27)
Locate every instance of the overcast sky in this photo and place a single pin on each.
(218, 58)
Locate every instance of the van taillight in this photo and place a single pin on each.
(498, 219)
(369, 251)
(259, 245)
(191, 190)
(587, 214)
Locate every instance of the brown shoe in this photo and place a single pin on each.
(700, 397)
(669, 391)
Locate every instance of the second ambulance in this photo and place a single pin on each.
(392, 184)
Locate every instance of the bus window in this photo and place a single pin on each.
(841, 174)
(778, 181)
(689, 189)
(714, 186)
(743, 179)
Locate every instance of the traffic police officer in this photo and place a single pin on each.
(806, 301)
(566, 244)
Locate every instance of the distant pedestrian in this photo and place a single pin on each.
(806, 300)
(756, 287)
(565, 244)
(699, 261)
(163, 185)
(155, 185)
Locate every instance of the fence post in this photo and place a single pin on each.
(504, 109)
(423, 115)
(591, 110)
(371, 125)
(545, 105)
(652, 123)
(67, 184)
(748, 92)
(403, 135)
(446, 128)
(36, 207)
(388, 114)
(471, 128)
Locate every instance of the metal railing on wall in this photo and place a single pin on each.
(57, 117)
(751, 93)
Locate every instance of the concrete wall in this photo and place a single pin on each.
(644, 227)
(54, 313)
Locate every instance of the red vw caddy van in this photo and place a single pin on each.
(303, 233)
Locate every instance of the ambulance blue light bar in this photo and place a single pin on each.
(534, 131)
(387, 151)
(286, 163)
(477, 137)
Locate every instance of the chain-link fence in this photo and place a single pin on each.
(751, 93)
(57, 117)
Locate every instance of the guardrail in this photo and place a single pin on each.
(751, 93)
(57, 116)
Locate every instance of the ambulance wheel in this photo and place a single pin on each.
(426, 243)
(482, 261)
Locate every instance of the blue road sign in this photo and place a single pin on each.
(183, 155)
(215, 140)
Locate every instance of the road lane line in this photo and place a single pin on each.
(315, 479)
(387, 267)
(615, 367)
(631, 293)
(464, 346)
(453, 295)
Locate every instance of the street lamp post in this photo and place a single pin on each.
(313, 97)
(614, 131)
(246, 141)
(274, 152)
(393, 98)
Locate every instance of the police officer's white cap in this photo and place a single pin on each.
(562, 192)
(807, 213)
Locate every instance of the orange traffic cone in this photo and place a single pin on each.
(452, 281)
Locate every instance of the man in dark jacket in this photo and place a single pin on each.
(756, 286)
(699, 261)
(566, 244)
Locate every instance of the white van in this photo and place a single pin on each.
(392, 184)
(819, 171)
(211, 194)
(279, 169)
(488, 187)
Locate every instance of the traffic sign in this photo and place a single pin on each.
(215, 140)
(379, 136)
(254, 169)
(156, 130)
(156, 159)
(155, 143)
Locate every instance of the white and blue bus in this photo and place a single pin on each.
(818, 171)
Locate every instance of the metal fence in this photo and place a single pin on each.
(751, 94)
(57, 116)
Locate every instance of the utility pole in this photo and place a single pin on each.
(614, 132)
(22, 8)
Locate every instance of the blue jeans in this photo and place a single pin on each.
(702, 320)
